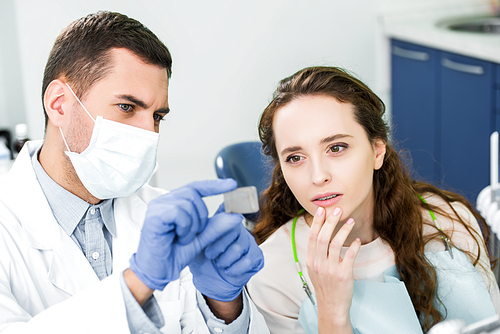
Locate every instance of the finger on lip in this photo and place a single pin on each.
(318, 218)
(320, 211)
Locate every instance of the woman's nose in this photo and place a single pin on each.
(320, 173)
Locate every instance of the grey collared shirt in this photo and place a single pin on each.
(92, 228)
(75, 216)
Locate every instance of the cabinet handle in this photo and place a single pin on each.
(410, 54)
(466, 68)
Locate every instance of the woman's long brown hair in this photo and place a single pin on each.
(397, 212)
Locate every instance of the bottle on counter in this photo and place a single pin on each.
(495, 4)
(21, 137)
(5, 162)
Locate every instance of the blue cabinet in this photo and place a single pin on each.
(497, 98)
(467, 120)
(414, 107)
(444, 110)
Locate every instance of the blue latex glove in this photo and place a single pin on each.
(176, 229)
(228, 263)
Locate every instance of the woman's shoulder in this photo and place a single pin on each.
(279, 238)
(279, 266)
(454, 219)
(448, 214)
(448, 207)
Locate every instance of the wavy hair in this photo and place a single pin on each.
(397, 211)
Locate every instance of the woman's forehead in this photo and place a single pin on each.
(314, 117)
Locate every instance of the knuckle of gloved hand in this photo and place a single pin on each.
(214, 252)
(188, 192)
(160, 205)
(203, 216)
(237, 249)
(152, 224)
(221, 224)
(259, 265)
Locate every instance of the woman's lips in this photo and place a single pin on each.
(327, 199)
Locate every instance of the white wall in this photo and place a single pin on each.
(12, 108)
(228, 57)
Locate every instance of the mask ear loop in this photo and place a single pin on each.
(92, 118)
(64, 140)
(76, 97)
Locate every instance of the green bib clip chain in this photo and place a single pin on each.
(446, 240)
(305, 286)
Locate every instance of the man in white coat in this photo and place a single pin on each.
(86, 246)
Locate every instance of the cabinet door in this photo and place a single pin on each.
(414, 106)
(497, 97)
(467, 120)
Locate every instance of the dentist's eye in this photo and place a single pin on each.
(125, 107)
(159, 117)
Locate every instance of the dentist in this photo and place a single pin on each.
(86, 246)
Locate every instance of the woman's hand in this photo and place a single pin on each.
(331, 275)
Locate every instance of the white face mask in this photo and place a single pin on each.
(119, 160)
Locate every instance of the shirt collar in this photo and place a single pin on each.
(67, 208)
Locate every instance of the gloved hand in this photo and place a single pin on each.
(228, 263)
(176, 229)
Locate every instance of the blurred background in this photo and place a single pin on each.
(228, 57)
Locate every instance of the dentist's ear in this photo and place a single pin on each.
(53, 101)
(379, 148)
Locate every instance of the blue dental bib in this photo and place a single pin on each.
(386, 307)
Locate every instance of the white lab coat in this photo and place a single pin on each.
(48, 286)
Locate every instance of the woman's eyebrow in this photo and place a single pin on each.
(323, 141)
(290, 150)
(334, 138)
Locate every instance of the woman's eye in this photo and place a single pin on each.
(293, 158)
(125, 107)
(336, 148)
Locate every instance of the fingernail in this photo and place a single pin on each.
(336, 211)
(358, 239)
(350, 221)
(320, 211)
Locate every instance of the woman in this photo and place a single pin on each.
(343, 207)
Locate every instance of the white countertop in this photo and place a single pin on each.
(421, 28)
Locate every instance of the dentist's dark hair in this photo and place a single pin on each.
(397, 212)
(81, 52)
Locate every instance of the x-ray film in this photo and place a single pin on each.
(241, 200)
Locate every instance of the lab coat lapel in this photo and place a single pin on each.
(69, 270)
(129, 217)
(27, 201)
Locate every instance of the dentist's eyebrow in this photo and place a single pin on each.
(134, 100)
(140, 103)
(334, 138)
